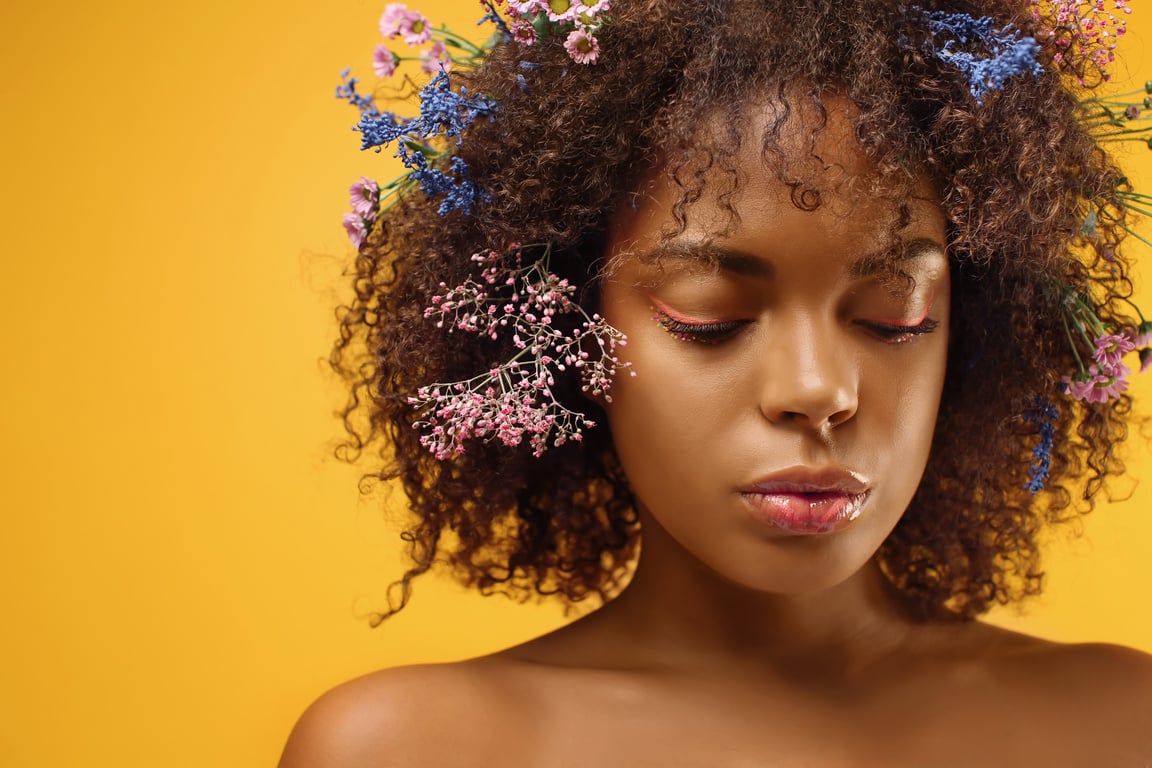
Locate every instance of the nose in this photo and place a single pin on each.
(808, 377)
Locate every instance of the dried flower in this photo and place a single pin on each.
(515, 401)
(1044, 415)
(1084, 29)
(1007, 53)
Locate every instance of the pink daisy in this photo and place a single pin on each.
(415, 29)
(435, 59)
(562, 10)
(356, 228)
(1142, 335)
(527, 7)
(383, 61)
(365, 194)
(523, 32)
(394, 13)
(582, 47)
(1110, 348)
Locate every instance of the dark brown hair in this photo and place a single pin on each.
(1016, 173)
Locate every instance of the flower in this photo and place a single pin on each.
(514, 401)
(1145, 359)
(1142, 335)
(394, 14)
(582, 47)
(365, 195)
(1008, 52)
(357, 229)
(383, 61)
(1096, 385)
(1084, 29)
(562, 10)
(415, 29)
(1044, 415)
(523, 32)
(1110, 348)
(436, 59)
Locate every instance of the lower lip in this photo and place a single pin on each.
(806, 514)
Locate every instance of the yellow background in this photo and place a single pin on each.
(183, 566)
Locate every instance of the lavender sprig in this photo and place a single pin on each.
(515, 400)
(1044, 415)
(1006, 52)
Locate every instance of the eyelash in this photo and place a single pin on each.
(900, 334)
(697, 333)
(716, 332)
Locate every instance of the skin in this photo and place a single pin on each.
(739, 643)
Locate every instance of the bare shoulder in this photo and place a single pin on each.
(408, 716)
(1084, 693)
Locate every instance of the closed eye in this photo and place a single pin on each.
(891, 333)
(698, 333)
(694, 331)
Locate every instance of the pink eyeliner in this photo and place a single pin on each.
(902, 323)
(671, 314)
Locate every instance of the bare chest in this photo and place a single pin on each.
(718, 725)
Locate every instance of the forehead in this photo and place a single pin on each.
(779, 170)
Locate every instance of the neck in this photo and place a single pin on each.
(679, 606)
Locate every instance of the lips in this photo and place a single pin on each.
(806, 501)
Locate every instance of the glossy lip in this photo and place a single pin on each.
(807, 501)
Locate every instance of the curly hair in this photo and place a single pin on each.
(1017, 175)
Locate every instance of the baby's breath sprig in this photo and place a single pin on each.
(1083, 30)
(515, 400)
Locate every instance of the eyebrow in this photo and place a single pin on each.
(740, 262)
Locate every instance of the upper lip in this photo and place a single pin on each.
(803, 479)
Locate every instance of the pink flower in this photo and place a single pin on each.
(383, 61)
(523, 32)
(357, 229)
(1142, 335)
(590, 10)
(435, 59)
(1110, 348)
(365, 194)
(527, 7)
(582, 47)
(415, 29)
(562, 10)
(1096, 386)
(394, 13)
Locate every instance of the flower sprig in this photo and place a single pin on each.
(1083, 29)
(1100, 372)
(515, 400)
(987, 55)
(444, 114)
(1043, 414)
(577, 21)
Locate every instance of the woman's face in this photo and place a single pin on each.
(786, 388)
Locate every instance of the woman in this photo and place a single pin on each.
(865, 261)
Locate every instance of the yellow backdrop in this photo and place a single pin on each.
(183, 566)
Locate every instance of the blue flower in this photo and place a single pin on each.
(1007, 53)
(346, 90)
(1044, 414)
(443, 112)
